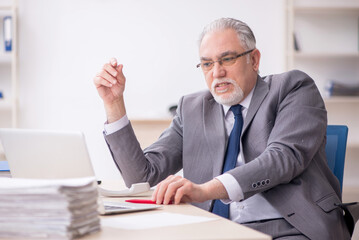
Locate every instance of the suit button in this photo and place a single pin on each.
(258, 184)
(254, 185)
(263, 183)
(267, 181)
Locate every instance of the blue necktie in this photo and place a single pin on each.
(233, 149)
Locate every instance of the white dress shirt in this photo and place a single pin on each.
(252, 209)
(256, 207)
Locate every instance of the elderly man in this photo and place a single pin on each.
(252, 149)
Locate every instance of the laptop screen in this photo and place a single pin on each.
(46, 154)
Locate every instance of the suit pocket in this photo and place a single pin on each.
(329, 202)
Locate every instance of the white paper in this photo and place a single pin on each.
(155, 220)
(48, 208)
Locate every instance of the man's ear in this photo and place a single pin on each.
(255, 59)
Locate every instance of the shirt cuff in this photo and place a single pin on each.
(232, 187)
(117, 125)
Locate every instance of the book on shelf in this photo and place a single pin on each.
(335, 88)
(8, 33)
(295, 43)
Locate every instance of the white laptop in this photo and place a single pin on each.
(44, 154)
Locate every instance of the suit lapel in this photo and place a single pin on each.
(213, 122)
(260, 92)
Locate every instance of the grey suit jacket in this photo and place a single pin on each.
(283, 142)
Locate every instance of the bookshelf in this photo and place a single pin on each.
(8, 70)
(8, 67)
(327, 37)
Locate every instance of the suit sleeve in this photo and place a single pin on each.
(297, 133)
(154, 163)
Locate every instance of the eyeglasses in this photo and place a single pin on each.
(225, 61)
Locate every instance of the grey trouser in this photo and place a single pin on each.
(279, 229)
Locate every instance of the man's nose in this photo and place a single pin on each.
(218, 70)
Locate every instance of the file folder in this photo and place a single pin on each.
(4, 166)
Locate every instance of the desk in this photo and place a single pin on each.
(217, 229)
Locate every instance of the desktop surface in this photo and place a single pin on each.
(218, 228)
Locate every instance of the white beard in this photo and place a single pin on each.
(227, 99)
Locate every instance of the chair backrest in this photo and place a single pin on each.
(335, 149)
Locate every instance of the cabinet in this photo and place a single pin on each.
(323, 41)
(8, 69)
(148, 131)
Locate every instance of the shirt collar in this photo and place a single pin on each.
(245, 102)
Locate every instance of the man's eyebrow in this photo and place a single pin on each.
(226, 53)
(206, 59)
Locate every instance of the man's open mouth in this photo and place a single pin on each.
(222, 87)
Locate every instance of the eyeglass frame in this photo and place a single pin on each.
(220, 61)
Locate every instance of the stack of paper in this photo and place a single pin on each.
(52, 209)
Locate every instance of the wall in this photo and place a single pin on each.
(63, 44)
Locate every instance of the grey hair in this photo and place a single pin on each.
(245, 34)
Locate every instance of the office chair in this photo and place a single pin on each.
(335, 150)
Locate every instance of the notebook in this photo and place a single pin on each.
(45, 154)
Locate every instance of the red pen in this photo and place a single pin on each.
(143, 201)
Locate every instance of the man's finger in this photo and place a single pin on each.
(110, 70)
(179, 194)
(163, 188)
(171, 190)
(160, 193)
(154, 194)
(113, 62)
(105, 75)
(99, 81)
(120, 77)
